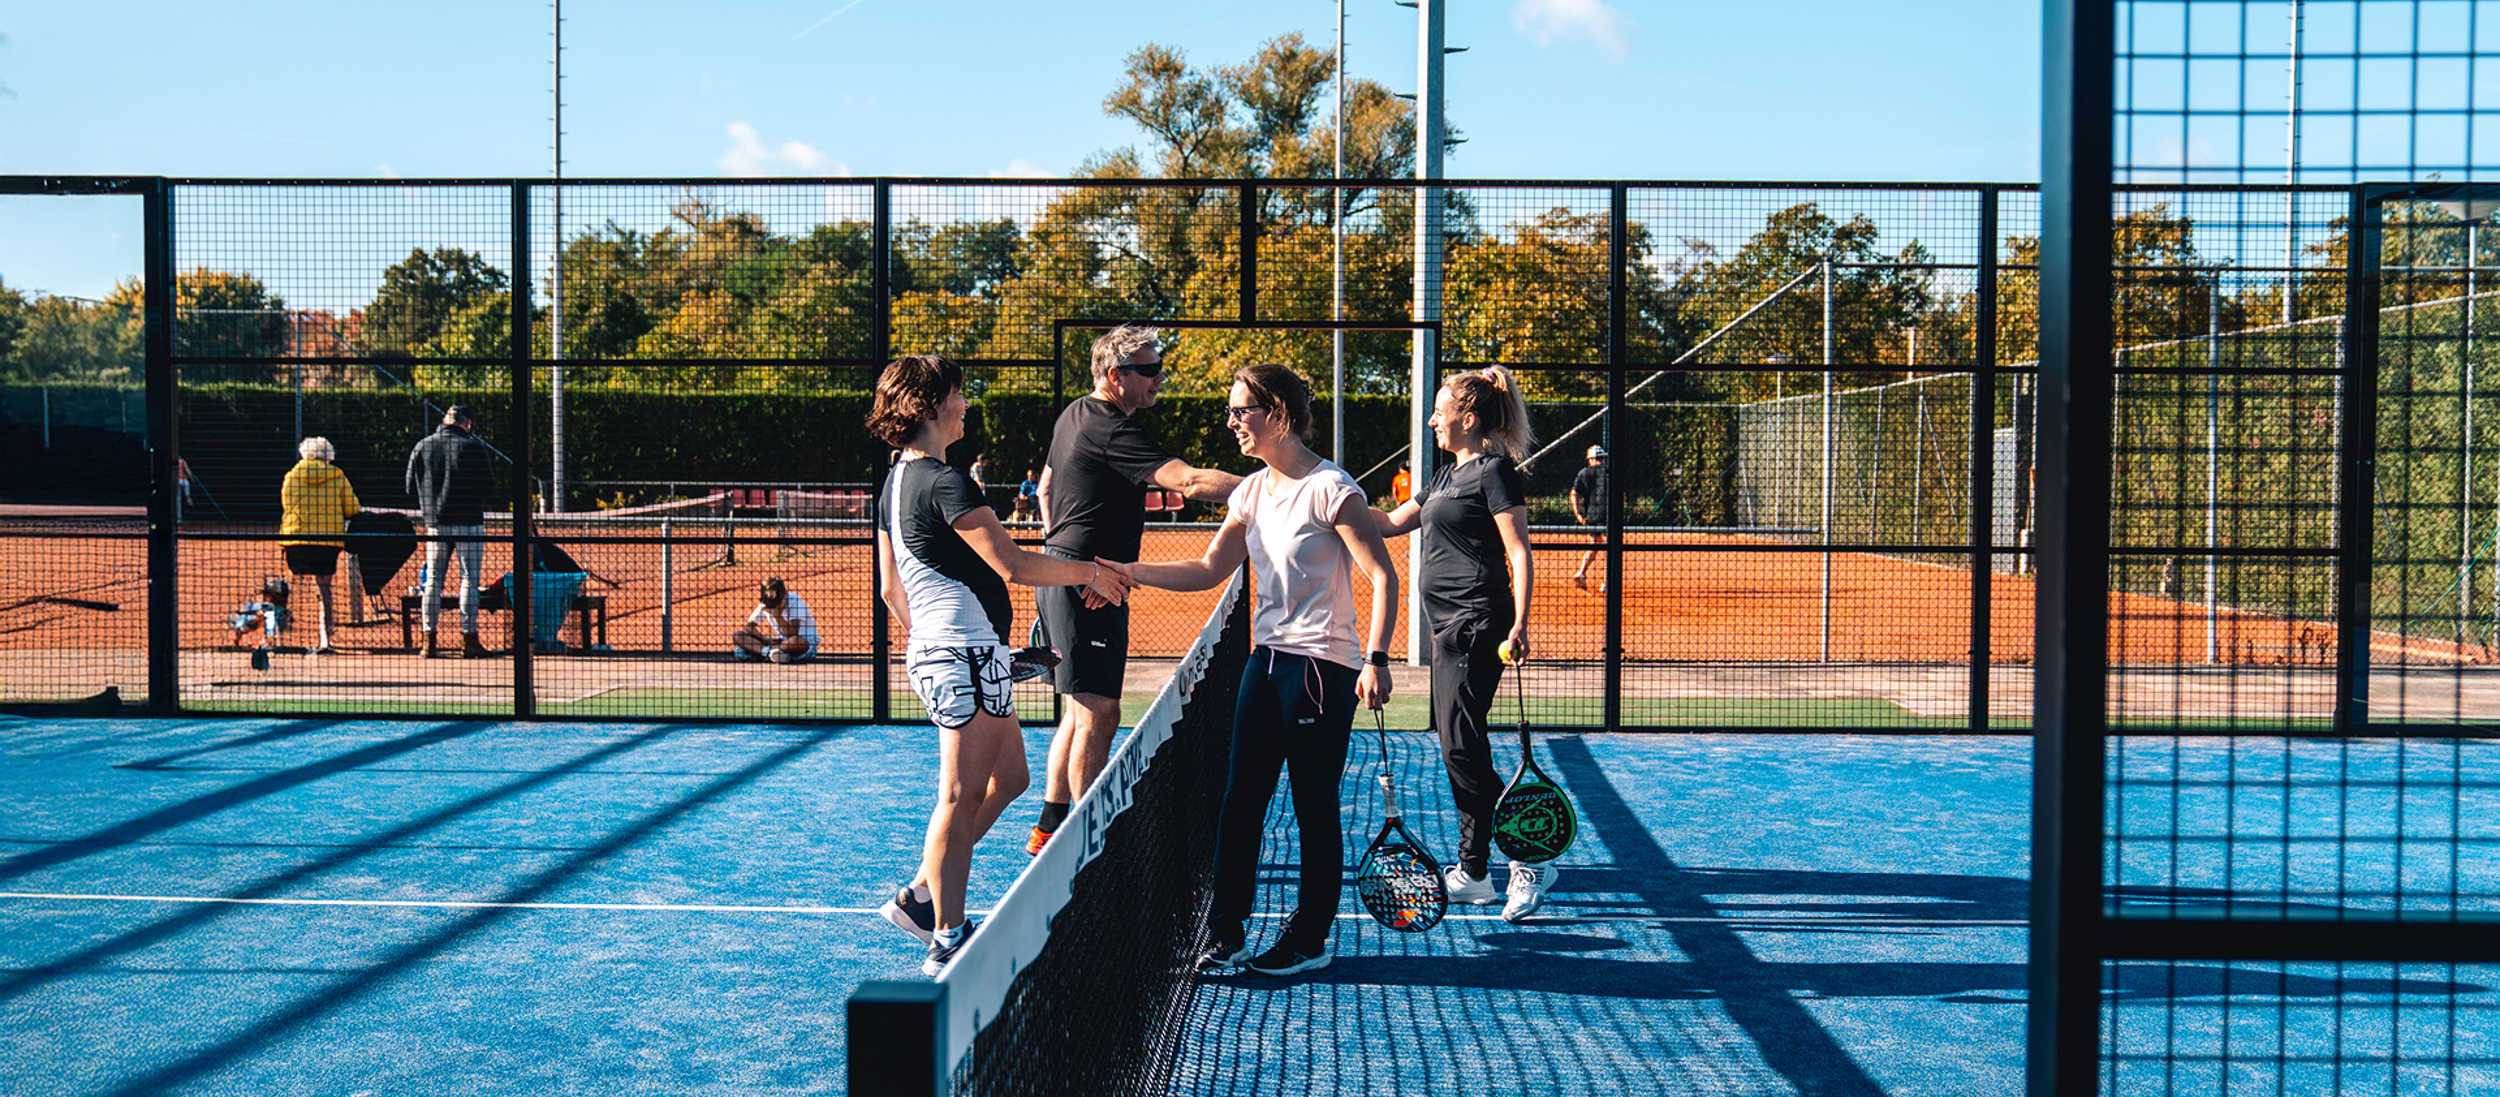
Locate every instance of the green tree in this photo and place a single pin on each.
(66, 339)
(1877, 298)
(421, 293)
(220, 314)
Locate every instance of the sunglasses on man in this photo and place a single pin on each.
(1144, 369)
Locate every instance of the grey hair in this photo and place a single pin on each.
(316, 448)
(1118, 344)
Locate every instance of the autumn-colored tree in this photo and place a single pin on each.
(227, 314)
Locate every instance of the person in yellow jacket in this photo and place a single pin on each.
(317, 502)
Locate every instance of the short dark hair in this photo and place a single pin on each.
(1282, 392)
(908, 395)
(770, 595)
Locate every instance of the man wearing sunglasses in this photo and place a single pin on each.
(1093, 500)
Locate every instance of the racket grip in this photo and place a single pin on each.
(1389, 795)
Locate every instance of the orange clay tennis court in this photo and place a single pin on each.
(1689, 597)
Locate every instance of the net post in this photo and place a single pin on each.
(896, 1044)
(523, 585)
(164, 414)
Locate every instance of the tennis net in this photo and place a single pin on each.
(1080, 979)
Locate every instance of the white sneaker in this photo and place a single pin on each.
(1475, 891)
(1528, 885)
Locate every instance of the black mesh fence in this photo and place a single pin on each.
(2294, 849)
(1815, 405)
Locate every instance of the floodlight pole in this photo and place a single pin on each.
(1428, 242)
(555, 310)
(1336, 286)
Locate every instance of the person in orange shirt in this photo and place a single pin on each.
(1403, 487)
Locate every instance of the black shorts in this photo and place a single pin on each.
(321, 560)
(1092, 643)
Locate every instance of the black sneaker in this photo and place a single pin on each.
(1287, 959)
(917, 917)
(1224, 950)
(942, 950)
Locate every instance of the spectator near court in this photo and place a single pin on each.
(1028, 493)
(1592, 501)
(1093, 503)
(315, 501)
(450, 474)
(781, 628)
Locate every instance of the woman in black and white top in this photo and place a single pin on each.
(1474, 514)
(1302, 523)
(945, 562)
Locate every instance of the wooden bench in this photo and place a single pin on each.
(589, 610)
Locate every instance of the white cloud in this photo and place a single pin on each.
(747, 155)
(1549, 21)
(1019, 168)
(386, 171)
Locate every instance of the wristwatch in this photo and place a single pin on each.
(1378, 658)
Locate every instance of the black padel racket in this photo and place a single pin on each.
(1025, 664)
(1533, 821)
(1034, 659)
(1400, 883)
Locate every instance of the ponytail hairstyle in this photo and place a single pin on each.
(1282, 392)
(1492, 396)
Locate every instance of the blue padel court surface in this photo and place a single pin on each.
(353, 907)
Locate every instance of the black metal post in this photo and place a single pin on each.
(1249, 253)
(1618, 234)
(2357, 466)
(164, 450)
(524, 575)
(2072, 611)
(897, 1039)
(1983, 458)
(880, 350)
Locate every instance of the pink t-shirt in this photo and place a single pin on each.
(1305, 600)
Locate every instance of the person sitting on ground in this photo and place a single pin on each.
(780, 629)
(1028, 497)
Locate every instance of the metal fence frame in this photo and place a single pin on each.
(1621, 365)
(2076, 927)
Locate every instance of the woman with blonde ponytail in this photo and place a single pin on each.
(1475, 514)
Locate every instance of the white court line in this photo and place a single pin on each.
(726, 908)
(461, 904)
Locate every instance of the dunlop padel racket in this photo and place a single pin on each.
(1400, 884)
(1533, 821)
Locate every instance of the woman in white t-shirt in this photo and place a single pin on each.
(1303, 524)
(946, 562)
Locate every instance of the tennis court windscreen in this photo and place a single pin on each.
(1080, 978)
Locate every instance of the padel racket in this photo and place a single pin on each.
(1025, 664)
(1400, 884)
(1533, 821)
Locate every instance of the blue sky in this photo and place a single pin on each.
(1549, 89)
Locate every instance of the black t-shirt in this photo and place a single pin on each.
(1100, 464)
(949, 587)
(1595, 497)
(1466, 573)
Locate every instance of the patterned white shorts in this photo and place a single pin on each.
(955, 683)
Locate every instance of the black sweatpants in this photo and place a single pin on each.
(1294, 714)
(1466, 673)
